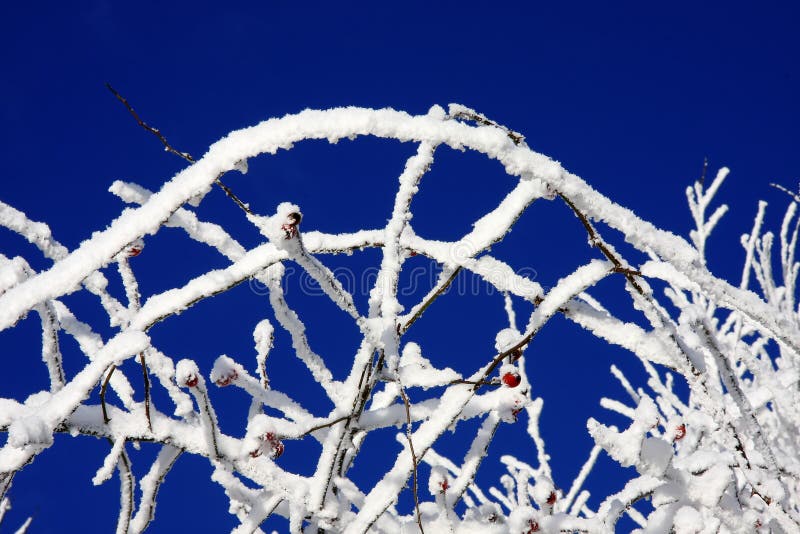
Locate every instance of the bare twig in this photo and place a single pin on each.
(630, 276)
(436, 293)
(146, 391)
(325, 425)
(155, 131)
(172, 150)
(106, 419)
(476, 382)
(595, 240)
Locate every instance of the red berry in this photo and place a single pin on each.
(290, 226)
(534, 526)
(512, 380)
(256, 453)
(191, 381)
(551, 499)
(226, 380)
(412, 253)
(680, 432)
(275, 445)
(134, 251)
(277, 450)
(289, 230)
(444, 484)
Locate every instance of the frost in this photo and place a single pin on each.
(710, 433)
(506, 339)
(29, 430)
(417, 371)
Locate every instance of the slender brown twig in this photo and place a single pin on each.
(155, 131)
(172, 150)
(414, 459)
(106, 419)
(325, 425)
(404, 328)
(476, 382)
(146, 391)
(595, 240)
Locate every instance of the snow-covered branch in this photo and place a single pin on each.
(713, 456)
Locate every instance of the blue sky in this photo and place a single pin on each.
(632, 97)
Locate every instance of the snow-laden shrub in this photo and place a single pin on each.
(722, 458)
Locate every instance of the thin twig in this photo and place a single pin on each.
(779, 187)
(595, 240)
(155, 131)
(134, 306)
(5, 483)
(413, 456)
(705, 169)
(516, 137)
(172, 150)
(146, 391)
(325, 425)
(436, 294)
(231, 195)
(630, 275)
(106, 419)
(476, 382)
(127, 484)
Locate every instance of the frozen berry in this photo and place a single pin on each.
(294, 218)
(290, 226)
(135, 248)
(680, 432)
(277, 450)
(512, 380)
(289, 231)
(227, 379)
(191, 380)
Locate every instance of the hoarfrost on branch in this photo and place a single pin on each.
(722, 458)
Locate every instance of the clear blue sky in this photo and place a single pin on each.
(630, 96)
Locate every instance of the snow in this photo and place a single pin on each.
(29, 430)
(722, 454)
(107, 469)
(417, 371)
